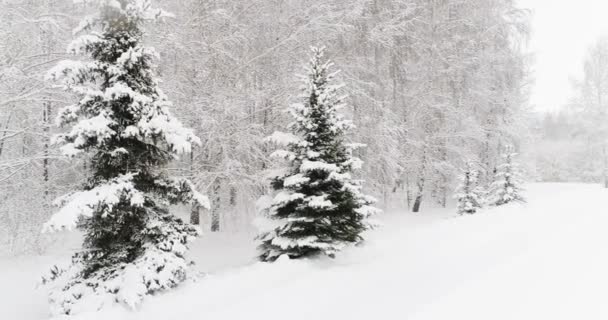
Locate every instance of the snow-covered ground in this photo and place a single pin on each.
(546, 259)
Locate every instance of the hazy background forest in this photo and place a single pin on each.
(432, 85)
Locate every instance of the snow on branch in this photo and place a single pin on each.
(283, 139)
(135, 55)
(97, 127)
(83, 44)
(134, 8)
(159, 122)
(368, 211)
(85, 203)
(319, 202)
(183, 190)
(283, 154)
(318, 165)
(86, 23)
(309, 241)
(69, 69)
(295, 180)
(286, 197)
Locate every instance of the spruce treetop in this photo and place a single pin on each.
(119, 94)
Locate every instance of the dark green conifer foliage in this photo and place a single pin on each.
(319, 207)
(469, 195)
(507, 186)
(133, 246)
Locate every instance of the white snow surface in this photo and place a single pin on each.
(545, 259)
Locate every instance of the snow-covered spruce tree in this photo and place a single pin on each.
(468, 194)
(319, 207)
(132, 245)
(506, 187)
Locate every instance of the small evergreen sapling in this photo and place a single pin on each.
(319, 207)
(468, 194)
(133, 246)
(507, 185)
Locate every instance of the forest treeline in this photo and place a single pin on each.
(432, 86)
(577, 132)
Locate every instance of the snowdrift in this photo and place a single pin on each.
(541, 260)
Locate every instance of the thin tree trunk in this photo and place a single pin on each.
(195, 215)
(233, 196)
(408, 192)
(420, 184)
(195, 212)
(417, 203)
(47, 40)
(5, 133)
(46, 116)
(215, 211)
(419, 194)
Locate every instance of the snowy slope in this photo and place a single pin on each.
(543, 260)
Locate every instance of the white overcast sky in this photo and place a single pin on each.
(561, 32)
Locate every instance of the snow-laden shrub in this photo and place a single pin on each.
(507, 187)
(468, 194)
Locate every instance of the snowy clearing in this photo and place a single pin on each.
(542, 260)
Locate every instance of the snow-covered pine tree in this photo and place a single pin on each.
(319, 207)
(506, 187)
(133, 246)
(468, 194)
